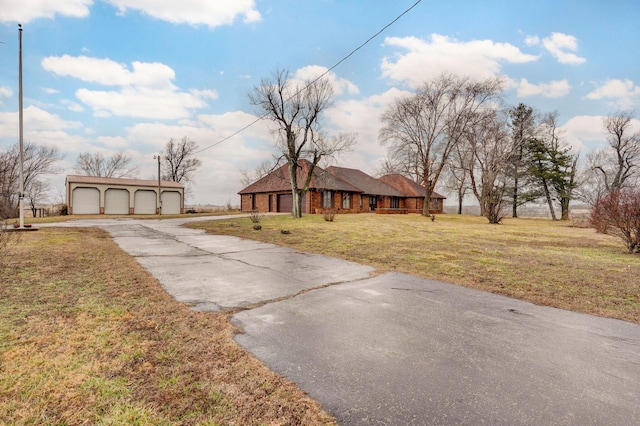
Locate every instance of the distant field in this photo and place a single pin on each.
(539, 260)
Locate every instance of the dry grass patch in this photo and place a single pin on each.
(545, 262)
(88, 337)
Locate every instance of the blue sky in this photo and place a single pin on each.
(127, 75)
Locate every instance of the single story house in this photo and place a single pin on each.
(99, 195)
(414, 194)
(342, 189)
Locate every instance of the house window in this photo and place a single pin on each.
(327, 199)
(253, 201)
(395, 203)
(346, 200)
(435, 204)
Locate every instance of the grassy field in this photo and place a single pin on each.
(89, 337)
(539, 260)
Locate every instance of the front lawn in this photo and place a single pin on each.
(87, 336)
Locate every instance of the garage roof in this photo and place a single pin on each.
(94, 180)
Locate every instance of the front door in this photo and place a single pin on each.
(373, 203)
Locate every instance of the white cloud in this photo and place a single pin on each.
(110, 73)
(553, 89)
(25, 11)
(5, 92)
(193, 12)
(624, 94)
(41, 127)
(426, 59)
(141, 103)
(72, 106)
(114, 142)
(50, 91)
(205, 94)
(560, 46)
(362, 117)
(584, 131)
(532, 40)
(340, 85)
(146, 90)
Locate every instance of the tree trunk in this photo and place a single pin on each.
(564, 205)
(296, 205)
(427, 198)
(460, 197)
(515, 195)
(296, 199)
(547, 195)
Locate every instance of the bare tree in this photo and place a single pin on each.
(425, 128)
(35, 193)
(592, 180)
(618, 213)
(624, 151)
(179, 163)
(262, 170)
(492, 149)
(295, 108)
(458, 172)
(116, 166)
(38, 161)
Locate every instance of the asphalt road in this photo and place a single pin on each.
(393, 349)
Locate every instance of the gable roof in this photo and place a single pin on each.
(338, 179)
(407, 186)
(279, 180)
(95, 180)
(367, 184)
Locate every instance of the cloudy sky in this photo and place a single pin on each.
(127, 75)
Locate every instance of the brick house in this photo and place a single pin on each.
(414, 194)
(342, 189)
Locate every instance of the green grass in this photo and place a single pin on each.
(539, 260)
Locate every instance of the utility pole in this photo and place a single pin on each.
(20, 119)
(158, 198)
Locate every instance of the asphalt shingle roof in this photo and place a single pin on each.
(279, 180)
(94, 180)
(367, 184)
(407, 186)
(338, 179)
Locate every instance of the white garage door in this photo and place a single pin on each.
(144, 202)
(116, 201)
(170, 202)
(86, 201)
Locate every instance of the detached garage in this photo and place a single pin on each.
(96, 195)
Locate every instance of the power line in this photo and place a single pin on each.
(317, 78)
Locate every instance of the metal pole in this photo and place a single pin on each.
(158, 199)
(21, 193)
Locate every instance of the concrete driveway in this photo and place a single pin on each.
(393, 349)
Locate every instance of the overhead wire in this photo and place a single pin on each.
(242, 129)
